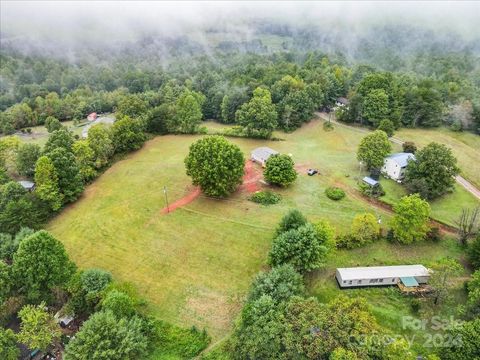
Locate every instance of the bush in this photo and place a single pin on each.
(387, 126)
(415, 305)
(371, 191)
(280, 170)
(334, 193)
(434, 234)
(266, 197)
(409, 147)
(328, 126)
(365, 228)
(292, 220)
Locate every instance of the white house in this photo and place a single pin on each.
(395, 164)
(261, 154)
(408, 275)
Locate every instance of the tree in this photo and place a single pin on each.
(131, 105)
(443, 271)
(280, 283)
(46, 182)
(38, 329)
(410, 222)
(215, 165)
(409, 147)
(59, 139)
(9, 244)
(472, 309)
(388, 126)
(27, 156)
(84, 156)
(433, 172)
(40, 265)
(100, 140)
(8, 345)
(466, 342)
(258, 116)
(104, 336)
(52, 124)
(294, 109)
(188, 112)
(325, 233)
(375, 106)
(468, 224)
(373, 149)
(474, 252)
(119, 303)
(127, 135)
(365, 228)
(86, 289)
(299, 247)
(5, 281)
(259, 333)
(159, 118)
(231, 102)
(280, 170)
(423, 106)
(292, 220)
(342, 354)
(70, 182)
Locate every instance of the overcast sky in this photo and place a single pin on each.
(125, 20)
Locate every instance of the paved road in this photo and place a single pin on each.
(461, 180)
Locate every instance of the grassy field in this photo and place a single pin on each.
(194, 265)
(465, 146)
(39, 134)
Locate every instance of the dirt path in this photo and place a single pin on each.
(251, 183)
(461, 180)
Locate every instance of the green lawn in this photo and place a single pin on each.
(39, 134)
(195, 265)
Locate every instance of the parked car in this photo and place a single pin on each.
(312, 172)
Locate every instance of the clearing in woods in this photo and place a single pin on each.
(195, 265)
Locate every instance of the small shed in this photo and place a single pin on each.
(408, 275)
(341, 101)
(92, 116)
(27, 185)
(261, 154)
(394, 165)
(371, 182)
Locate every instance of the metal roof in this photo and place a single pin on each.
(263, 152)
(26, 184)
(401, 158)
(370, 181)
(342, 100)
(378, 272)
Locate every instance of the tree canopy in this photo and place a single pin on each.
(373, 149)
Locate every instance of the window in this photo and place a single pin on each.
(393, 280)
(344, 281)
(359, 281)
(350, 282)
(381, 280)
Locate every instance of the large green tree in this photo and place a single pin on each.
(373, 149)
(465, 344)
(258, 116)
(104, 337)
(8, 345)
(188, 112)
(5, 280)
(85, 157)
(41, 265)
(127, 134)
(432, 174)
(100, 140)
(375, 106)
(70, 182)
(46, 182)
(299, 247)
(27, 156)
(215, 165)
(280, 170)
(410, 222)
(61, 138)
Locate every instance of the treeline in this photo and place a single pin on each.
(298, 84)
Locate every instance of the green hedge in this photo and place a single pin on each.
(334, 193)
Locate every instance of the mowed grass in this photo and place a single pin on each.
(39, 134)
(465, 146)
(194, 265)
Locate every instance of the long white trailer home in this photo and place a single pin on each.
(408, 275)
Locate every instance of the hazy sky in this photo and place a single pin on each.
(125, 20)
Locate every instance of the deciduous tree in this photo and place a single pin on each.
(27, 156)
(280, 170)
(46, 182)
(215, 165)
(373, 149)
(410, 222)
(127, 134)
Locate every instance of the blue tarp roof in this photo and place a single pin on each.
(409, 281)
(370, 181)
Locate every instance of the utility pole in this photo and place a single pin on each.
(166, 198)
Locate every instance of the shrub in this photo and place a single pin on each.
(365, 228)
(266, 197)
(415, 305)
(387, 126)
(371, 191)
(280, 283)
(119, 303)
(434, 234)
(328, 126)
(292, 220)
(409, 147)
(334, 193)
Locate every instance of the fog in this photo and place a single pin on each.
(72, 25)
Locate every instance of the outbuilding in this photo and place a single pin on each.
(394, 165)
(341, 101)
(408, 275)
(260, 155)
(371, 182)
(27, 185)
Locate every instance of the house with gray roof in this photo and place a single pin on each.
(394, 165)
(27, 185)
(261, 154)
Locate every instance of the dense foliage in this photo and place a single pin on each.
(266, 197)
(334, 193)
(280, 170)
(410, 222)
(373, 149)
